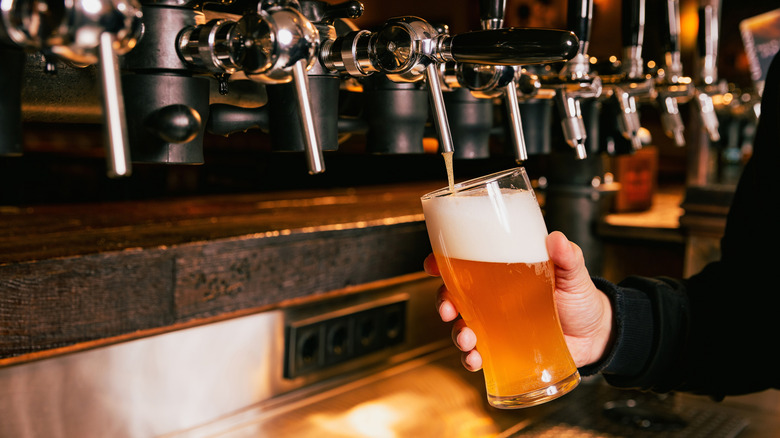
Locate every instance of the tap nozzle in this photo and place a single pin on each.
(571, 121)
(708, 116)
(671, 120)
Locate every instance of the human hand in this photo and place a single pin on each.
(585, 313)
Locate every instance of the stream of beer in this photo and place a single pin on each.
(450, 174)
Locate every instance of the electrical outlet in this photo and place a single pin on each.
(321, 341)
(339, 340)
(306, 349)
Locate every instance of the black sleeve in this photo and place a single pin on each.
(716, 332)
(651, 319)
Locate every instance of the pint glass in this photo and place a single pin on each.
(488, 237)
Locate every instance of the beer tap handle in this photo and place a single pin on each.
(512, 46)
(491, 13)
(577, 71)
(633, 31)
(492, 17)
(117, 140)
(327, 13)
(709, 18)
(579, 18)
(403, 44)
(671, 40)
(708, 37)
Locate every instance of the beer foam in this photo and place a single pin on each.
(472, 226)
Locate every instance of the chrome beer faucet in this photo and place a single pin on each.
(574, 82)
(673, 88)
(84, 33)
(708, 84)
(630, 83)
(492, 17)
(409, 49)
(274, 45)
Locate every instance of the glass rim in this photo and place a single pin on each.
(474, 182)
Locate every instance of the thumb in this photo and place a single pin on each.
(571, 275)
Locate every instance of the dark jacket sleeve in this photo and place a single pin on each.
(716, 332)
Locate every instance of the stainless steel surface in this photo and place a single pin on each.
(176, 381)
(433, 396)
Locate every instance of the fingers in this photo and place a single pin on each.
(463, 337)
(472, 360)
(446, 309)
(430, 266)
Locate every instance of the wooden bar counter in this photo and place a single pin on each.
(80, 276)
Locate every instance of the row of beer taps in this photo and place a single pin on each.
(157, 58)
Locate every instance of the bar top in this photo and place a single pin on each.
(80, 275)
(53, 231)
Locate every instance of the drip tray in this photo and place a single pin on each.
(433, 396)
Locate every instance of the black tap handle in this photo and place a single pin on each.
(709, 24)
(349, 9)
(633, 21)
(701, 35)
(514, 46)
(579, 17)
(670, 22)
(491, 11)
(318, 11)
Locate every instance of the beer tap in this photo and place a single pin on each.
(84, 33)
(486, 82)
(673, 88)
(409, 49)
(275, 45)
(575, 82)
(629, 82)
(492, 17)
(708, 84)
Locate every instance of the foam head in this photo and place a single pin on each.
(498, 225)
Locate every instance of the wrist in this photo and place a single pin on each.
(605, 338)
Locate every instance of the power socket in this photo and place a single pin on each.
(322, 341)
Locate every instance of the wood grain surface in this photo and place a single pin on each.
(73, 275)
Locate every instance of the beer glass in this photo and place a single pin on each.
(488, 237)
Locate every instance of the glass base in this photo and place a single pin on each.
(537, 397)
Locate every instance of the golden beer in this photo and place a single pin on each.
(489, 242)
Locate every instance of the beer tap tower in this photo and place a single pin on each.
(673, 88)
(624, 88)
(494, 81)
(160, 85)
(708, 86)
(574, 198)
